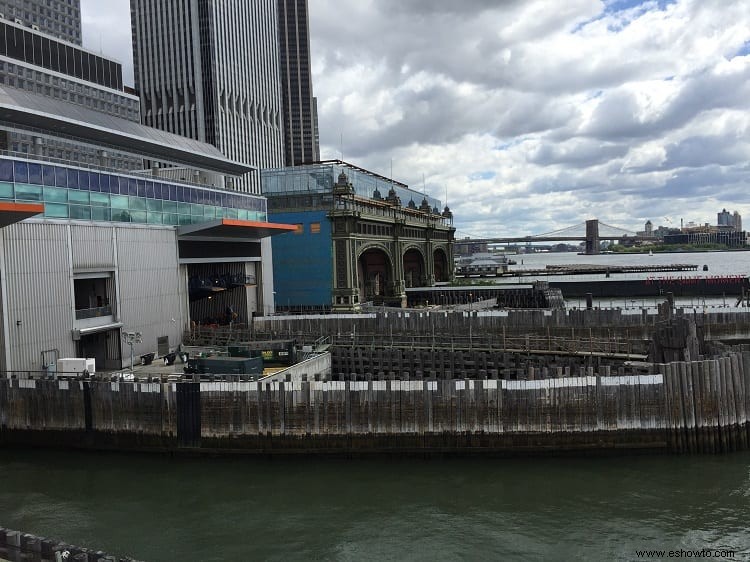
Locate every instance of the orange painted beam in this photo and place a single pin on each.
(256, 224)
(10, 207)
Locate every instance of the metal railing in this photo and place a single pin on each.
(85, 313)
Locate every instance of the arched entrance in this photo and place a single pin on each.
(414, 268)
(374, 274)
(441, 265)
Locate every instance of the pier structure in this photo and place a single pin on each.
(416, 392)
(685, 407)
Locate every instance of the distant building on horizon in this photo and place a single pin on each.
(301, 136)
(729, 221)
(210, 71)
(648, 230)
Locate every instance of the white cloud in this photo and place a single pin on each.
(535, 114)
(540, 114)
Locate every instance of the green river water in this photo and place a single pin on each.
(160, 509)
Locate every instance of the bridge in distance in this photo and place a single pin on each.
(592, 232)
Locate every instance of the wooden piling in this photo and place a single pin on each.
(739, 401)
(714, 404)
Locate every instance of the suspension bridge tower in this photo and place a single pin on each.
(592, 237)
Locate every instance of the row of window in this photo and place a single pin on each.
(318, 177)
(39, 50)
(76, 204)
(314, 228)
(31, 173)
(25, 78)
(374, 229)
(70, 152)
(52, 22)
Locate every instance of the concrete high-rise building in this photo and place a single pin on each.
(36, 61)
(301, 138)
(729, 220)
(59, 18)
(724, 218)
(209, 70)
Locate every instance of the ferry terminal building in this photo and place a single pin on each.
(359, 238)
(88, 252)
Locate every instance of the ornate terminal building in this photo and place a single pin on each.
(360, 238)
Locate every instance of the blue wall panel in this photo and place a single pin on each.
(303, 263)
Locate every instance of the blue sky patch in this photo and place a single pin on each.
(486, 175)
(614, 6)
(744, 50)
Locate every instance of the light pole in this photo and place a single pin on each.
(132, 338)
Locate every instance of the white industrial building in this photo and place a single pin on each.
(88, 253)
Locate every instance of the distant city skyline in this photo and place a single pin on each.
(532, 118)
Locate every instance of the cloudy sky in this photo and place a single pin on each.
(532, 114)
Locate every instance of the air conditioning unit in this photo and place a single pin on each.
(34, 27)
(18, 20)
(2, 15)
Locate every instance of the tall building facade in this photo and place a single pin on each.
(35, 60)
(300, 112)
(59, 18)
(209, 70)
(360, 237)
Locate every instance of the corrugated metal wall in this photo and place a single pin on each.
(252, 292)
(213, 310)
(39, 307)
(151, 299)
(92, 247)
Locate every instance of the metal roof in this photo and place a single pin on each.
(234, 228)
(55, 117)
(11, 213)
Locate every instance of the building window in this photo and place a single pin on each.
(314, 228)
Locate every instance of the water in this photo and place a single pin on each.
(160, 509)
(156, 508)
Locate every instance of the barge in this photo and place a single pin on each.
(655, 286)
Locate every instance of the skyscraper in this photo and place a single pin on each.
(300, 112)
(209, 70)
(59, 18)
(729, 220)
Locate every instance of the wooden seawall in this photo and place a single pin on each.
(695, 407)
